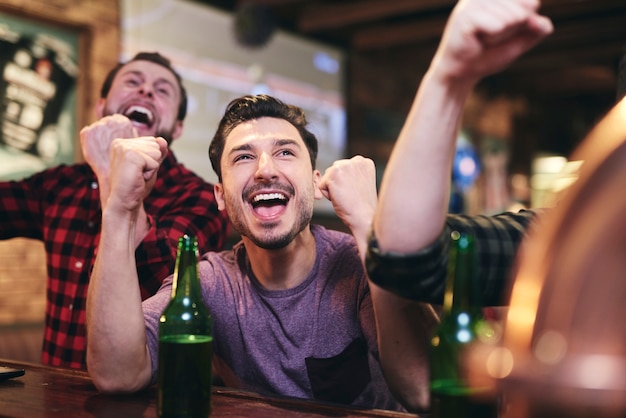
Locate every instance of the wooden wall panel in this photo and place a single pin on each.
(22, 262)
(22, 281)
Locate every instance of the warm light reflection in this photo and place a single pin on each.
(523, 309)
(599, 372)
(551, 347)
(621, 108)
(563, 348)
(499, 363)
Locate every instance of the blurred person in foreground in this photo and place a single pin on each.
(291, 306)
(62, 206)
(408, 246)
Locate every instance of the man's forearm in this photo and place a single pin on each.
(142, 226)
(427, 141)
(117, 358)
(404, 328)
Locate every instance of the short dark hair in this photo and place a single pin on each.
(251, 107)
(156, 58)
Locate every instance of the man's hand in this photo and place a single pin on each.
(483, 37)
(95, 141)
(351, 187)
(134, 164)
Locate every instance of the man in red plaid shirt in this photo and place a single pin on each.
(62, 205)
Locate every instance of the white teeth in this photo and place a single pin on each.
(140, 109)
(269, 196)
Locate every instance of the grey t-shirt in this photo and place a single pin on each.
(314, 341)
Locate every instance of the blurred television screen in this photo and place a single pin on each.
(217, 67)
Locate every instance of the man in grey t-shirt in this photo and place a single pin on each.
(291, 306)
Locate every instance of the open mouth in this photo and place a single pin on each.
(268, 205)
(140, 115)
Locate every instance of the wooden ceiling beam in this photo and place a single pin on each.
(399, 34)
(535, 63)
(421, 31)
(333, 16)
(271, 3)
(607, 53)
(573, 80)
(569, 8)
(609, 27)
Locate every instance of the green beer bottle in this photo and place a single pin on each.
(185, 342)
(462, 323)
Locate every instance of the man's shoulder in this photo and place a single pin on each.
(335, 244)
(62, 174)
(223, 256)
(218, 265)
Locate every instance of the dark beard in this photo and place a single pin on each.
(276, 243)
(268, 241)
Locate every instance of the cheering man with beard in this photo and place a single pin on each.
(291, 307)
(62, 206)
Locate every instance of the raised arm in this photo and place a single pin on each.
(191, 208)
(95, 142)
(117, 356)
(480, 38)
(350, 185)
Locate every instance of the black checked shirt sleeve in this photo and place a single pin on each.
(497, 239)
(422, 276)
(21, 209)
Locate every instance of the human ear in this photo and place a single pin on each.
(218, 190)
(317, 176)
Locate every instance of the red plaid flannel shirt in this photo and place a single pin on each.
(61, 207)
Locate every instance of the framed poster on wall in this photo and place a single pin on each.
(38, 77)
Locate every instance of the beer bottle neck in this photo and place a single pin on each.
(186, 284)
(462, 287)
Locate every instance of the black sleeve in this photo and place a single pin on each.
(422, 276)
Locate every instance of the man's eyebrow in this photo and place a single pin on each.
(281, 142)
(244, 147)
(276, 143)
(166, 81)
(131, 72)
(142, 74)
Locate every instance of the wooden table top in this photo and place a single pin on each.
(57, 392)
